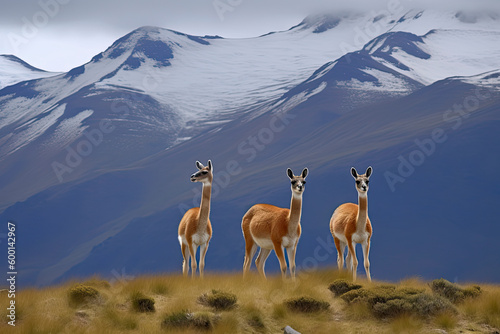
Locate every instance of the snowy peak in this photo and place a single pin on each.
(319, 23)
(14, 70)
(13, 59)
(420, 22)
(152, 43)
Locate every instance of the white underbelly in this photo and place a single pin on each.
(286, 242)
(197, 238)
(358, 238)
(264, 243)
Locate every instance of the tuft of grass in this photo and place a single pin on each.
(306, 305)
(202, 320)
(179, 319)
(453, 292)
(485, 309)
(446, 321)
(341, 286)
(117, 319)
(159, 289)
(81, 294)
(219, 300)
(185, 319)
(406, 324)
(142, 303)
(254, 318)
(279, 311)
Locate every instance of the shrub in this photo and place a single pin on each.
(142, 303)
(202, 320)
(453, 292)
(358, 295)
(306, 305)
(82, 294)
(387, 301)
(185, 319)
(341, 286)
(219, 300)
(254, 318)
(181, 319)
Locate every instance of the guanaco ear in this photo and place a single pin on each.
(354, 173)
(199, 165)
(289, 173)
(369, 171)
(305, 172)
(209, 164)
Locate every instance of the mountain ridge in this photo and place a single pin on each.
(112, 138)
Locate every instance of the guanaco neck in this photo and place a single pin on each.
(362, 212)
(204, 206)
(295, 213)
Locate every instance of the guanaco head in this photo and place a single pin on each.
(204, 173)
(362, 180)
(298, 182)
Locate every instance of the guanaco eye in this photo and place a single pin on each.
(358, 182)
(204, 172)
(367, 181)
(303, 182)
(294, 182)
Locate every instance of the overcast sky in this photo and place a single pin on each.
(57, 35)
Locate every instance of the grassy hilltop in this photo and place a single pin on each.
(317, 302)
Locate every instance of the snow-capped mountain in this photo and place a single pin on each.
(113, 138)
(14, 70)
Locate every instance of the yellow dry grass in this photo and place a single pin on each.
(260, 307)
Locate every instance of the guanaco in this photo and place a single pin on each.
(350, 225)
(195, 228)
(270, 227)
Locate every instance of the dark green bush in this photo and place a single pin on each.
(202, 320)
(341, 286)
(181, 319)
(254, 318)
(453, 292)
(306, 305)
(82, 294)
(387, 301)
(185, 319)
(358, 295)
(219, 300)
(142, 303)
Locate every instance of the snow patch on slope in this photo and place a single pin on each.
(69, 129)
(28, 132)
